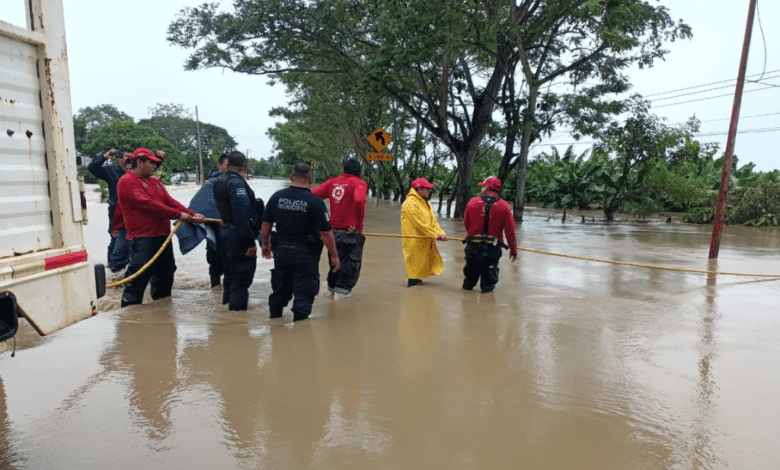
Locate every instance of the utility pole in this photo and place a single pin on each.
(720, 209)
(200, 157)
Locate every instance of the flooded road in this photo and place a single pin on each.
(569, 364)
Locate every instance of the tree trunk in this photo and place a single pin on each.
(465, 173)
(522, 160)
(449, 201)
(399, 181)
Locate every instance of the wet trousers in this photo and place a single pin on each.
(118, 251)
(481, 265)
(350, 250)
(160, 273)
(239, 269)
(295, 274)
(214, 258)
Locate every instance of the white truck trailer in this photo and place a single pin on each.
(45, 273)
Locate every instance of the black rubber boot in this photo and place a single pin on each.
(300, 316)
(225, 296)
(215, 280)
(276, 311)
(238, 302)
(413, 282)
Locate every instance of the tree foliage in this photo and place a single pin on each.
(127, 134)
(90, 118)
(173, 122)
(443, 63)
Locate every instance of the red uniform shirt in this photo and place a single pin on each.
(501, 220)
(347, 195)
(119, 219)
(147, 208)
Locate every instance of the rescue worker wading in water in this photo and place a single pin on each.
(421, 255)
(487, 217)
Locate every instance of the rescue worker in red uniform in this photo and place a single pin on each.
(347, 196)
(487, 218)
(147, 210)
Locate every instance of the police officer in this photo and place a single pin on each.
(240, 228)
(486, 217)
(302, 227)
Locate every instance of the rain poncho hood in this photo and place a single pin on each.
(421, 256)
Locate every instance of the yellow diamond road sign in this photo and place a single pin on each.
(379, 139)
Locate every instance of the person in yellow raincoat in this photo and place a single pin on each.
(420, 254)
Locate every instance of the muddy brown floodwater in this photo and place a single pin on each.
(569, 364)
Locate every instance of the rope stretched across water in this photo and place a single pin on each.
(520, 248)
(156, 255)
(599, 260)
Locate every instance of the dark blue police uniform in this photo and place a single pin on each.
(299, 216)
(111, 174)
(241, 226)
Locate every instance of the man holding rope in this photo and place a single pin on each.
(486, 217)
(147, 209)
(420, 230)
(347, 195)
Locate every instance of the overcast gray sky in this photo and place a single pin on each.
(118, 55)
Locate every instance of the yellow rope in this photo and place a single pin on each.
(157, 255)
(600, 260)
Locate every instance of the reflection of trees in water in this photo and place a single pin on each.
(272, 396)
(145, 349)
(296, 401)
(229, 363)
(7, 454)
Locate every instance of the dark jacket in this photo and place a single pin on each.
(108, 173)
(237, 206)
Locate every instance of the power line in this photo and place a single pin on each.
(744, 117)
(712, 89)
(707, 84)
(713, 97)
(759, 130)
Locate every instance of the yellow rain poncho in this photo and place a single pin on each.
(421, 256)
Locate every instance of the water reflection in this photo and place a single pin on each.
(230, 364)
(7, 454)
(296, 400)
(569, 364)
(145, 350)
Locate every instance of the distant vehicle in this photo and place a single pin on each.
(45, 273)
(176, 179)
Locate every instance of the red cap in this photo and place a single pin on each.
(142, 152)
(422, 183)
(492, 182)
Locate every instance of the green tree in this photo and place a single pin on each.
(585, 45)
(90, 118)
(633, 146)
(564, 181)
(173, 122)
(443, 63)
(433, 59)
(127, 134)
